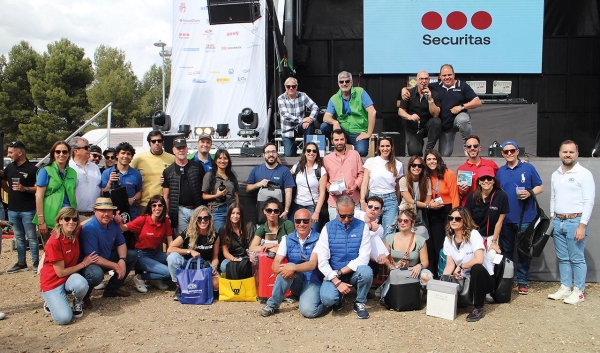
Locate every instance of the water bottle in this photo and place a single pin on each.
(221, 188)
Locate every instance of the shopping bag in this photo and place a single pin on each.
(195, 284)
(237, 290)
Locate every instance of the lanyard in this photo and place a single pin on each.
(416, 192)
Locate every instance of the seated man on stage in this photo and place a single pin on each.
(354, 113)
(292, 110)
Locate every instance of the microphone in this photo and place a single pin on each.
(426, 94)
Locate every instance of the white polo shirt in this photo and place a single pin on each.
(467, 251)
(573, 192)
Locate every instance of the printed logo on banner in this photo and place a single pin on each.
(204, 8)
(254, 30)
(191, 49)
(456, 20)
(191, 21)
(230, 48)
(232, 33)
(215, 72)
(182, 7)
(184, 35)
(223, 79)
(195, 72)
(210, 48)
(246, 71)
(231, 71)
(208, 34)
(241, 79)
(198, 80)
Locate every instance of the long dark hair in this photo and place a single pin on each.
(228, 171)
(478, 191)
(302, 163)
(468, 224)
(423, 180)
(391, 163)
(56, 144)
(245, 237)
(441, 166)
(148, 209)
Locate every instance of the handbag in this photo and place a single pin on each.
(237, 290)
(404, 292)
(239, 269)
(531, 241)
(196, 284)
(465, 295)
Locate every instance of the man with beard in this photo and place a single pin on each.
(202, 156)
(123, 175)
(351, 110)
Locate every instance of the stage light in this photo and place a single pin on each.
(204, 131)
(185, 130)
(222, 130)
(161, 121)
(247, 119)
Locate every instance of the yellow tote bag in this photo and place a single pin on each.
(237, 290)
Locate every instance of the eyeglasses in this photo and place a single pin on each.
(157, 141)
(291, 86)
(403, 220)
(344, 216)
(86, 147)
(344, 81)
(416, 165)
(203, 219)
(272, 210)
(454, 219)
(475, 145)
(373, 207)
(422, 78)
(303, 220)
(110, 157)
(270, 152)
(510, 151)
(65, 152)
(96, 155)
(157, 205)
(310, 150)
(486, 178)
(71, 219)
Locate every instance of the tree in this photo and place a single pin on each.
(149, 96)
(114, 81)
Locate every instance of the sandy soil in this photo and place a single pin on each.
(153, 322)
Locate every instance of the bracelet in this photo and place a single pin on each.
(40, 215)
(337, 284)
(84, 264)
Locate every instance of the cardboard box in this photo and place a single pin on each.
(441, 299)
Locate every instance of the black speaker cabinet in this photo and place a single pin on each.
(233, 11)
(168, 141)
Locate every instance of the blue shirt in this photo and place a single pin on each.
(95, 237)
(366, 101)
(131, 180)
(525, 175)
(206, 165)
(43, 180)
(460, 93)
(279, 175)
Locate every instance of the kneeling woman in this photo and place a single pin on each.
(465, 258)
(61, 263)
(198, 240)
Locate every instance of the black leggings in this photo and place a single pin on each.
(481, 284)
(437, 232)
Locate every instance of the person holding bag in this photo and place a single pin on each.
(220, 188)
(415, 188)
(235, 235)
(464, 248)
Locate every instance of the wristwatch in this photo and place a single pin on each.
(462, 106)
(339, 273)
(189, 251)
(27, 189)
(123, 258)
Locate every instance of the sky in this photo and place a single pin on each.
(130, 25)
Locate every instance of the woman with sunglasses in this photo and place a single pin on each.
(198, 240)
(488, 205)
(416, 193)
(444, 196)
(381, 177)
(55, 187)
(235, 235)
(152, 227)
(464, 250)
(274, 224)
(59, 273)
(220, 187)
(311, 183)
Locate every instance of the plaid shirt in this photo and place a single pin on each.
(292, 111)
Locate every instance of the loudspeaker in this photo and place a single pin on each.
(168, 142)
(223, 12)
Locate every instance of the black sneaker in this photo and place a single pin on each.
(18, 267)
(77, 309)
(475, 315)
(361, 310)
(177, 294)
(35, 267)
(338, 306)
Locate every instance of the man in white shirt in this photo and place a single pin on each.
(343, 251)
(571, 203)
(88, 177)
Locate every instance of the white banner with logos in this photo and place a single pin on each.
(216, 70)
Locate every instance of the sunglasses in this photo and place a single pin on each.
(510, 151)
(373, 207)
(157, 141)
(65, 152)
(403, 220)
(110, 157)
(157, 205)
(310, 150)
(203, 219)
(291, 86)
(476, 145)
(71, 219)
(96, 155)
(303, 220)
(416, 165)
(344, 216)
(86, 147)
(344, 81)
(486, 178)
(454, 219)
(272, 210)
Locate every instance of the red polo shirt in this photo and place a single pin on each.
(150, 234)
(470, 167)
(61, 249)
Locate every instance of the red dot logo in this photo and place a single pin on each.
(481, 20)
(431, 20)
(456, 20)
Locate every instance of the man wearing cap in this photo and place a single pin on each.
(102, 236)
(293, 105)
(202, 156)
(19, 176)
(88, 177)
(572, 194)
(473, 163)
(110, 158)
(95, 154)
(151, 165)
(517, 179)
(182, 186)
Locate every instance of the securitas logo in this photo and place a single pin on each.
(456, 20)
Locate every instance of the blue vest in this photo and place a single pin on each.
(298, 254)
(344, 243)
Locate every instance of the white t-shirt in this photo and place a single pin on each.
(404, 187)
(360, 214)
(382, 181)
(304, 191)
(467, 252)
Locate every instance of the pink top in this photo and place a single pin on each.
(350, 168)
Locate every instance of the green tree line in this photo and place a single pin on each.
(45, 97)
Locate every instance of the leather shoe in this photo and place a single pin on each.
(87, 304)
(115, 293)
(476, 315)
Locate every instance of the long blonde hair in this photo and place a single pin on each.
(62, 213)
(192, 231)
(468, 224)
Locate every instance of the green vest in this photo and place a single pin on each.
(358, 120)
(55, 192)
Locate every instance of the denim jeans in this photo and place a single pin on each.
(183, 218)
(289, 143)
(508, 237)
(462, 123)
(570, 252)
(94, 274)
(153, 264)
(414, 140)
(23, 227)
(390, 212)
(310, 301)
(311, 208)
(219, 216)
(362, 146)
(361, 280)
(57, 301)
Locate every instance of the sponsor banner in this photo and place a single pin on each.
(216, 70)
(479, 87)
(502, 87)
(492, 36)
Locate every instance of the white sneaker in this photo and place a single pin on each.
(561, 293)
(576, 297)
(140, 285)
(101, 286)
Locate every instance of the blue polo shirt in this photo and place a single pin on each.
(206, 165)
(95, 237)
(525, 175)
(280, 175)
(131, 180)
(365, 98)
(458, 94)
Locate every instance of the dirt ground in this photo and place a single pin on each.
(153, 322)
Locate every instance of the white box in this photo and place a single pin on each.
(441, 299)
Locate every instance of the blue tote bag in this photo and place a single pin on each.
(196, 284)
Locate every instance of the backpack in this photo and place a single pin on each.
(531, 241)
